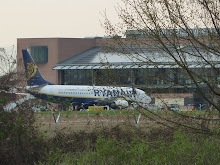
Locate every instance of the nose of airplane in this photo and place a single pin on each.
(145, 98)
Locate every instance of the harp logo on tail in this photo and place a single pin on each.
(31, 70)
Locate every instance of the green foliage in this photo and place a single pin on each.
(184, 148)
(20, 141)
(68, 113)
(2, 100)
(58, 157)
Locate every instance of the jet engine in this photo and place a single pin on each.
(120, 102)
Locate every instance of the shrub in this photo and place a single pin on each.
(185, 148)
(20, 141)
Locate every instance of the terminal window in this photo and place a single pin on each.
(39, 53)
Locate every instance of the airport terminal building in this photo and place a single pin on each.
(85, 61)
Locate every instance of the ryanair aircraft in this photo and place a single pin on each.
(80, 95)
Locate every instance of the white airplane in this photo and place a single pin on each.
(80, 95)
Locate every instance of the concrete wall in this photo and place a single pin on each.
(59, 49)
(44, 68)
(171, 98)
(69, 47)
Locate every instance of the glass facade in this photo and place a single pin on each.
(39, 53)
(76, 77)
(154, 77)
(112, 76)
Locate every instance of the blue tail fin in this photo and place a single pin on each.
(33, 75)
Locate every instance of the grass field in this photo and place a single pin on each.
(152, 140)
(109, 137)
(88, 120)
(84, 120)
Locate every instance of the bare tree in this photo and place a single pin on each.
(185, 34)
(7, 60)
(8, 74)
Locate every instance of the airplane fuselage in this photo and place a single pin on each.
(87, 94)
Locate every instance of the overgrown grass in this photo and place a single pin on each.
(22, 143)
(2, 100)
(20, 140)
(129, 112)
(183, 149)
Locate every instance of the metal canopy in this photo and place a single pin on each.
(73, 67)
(57, 67)
(127, 66)
(95, 57)
(81, 67)
(66, 67)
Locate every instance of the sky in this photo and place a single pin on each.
(53, 18)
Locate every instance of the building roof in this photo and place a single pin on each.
(146, 57)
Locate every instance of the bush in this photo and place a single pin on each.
(20, 141)
(185, 148)
(2, 100)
